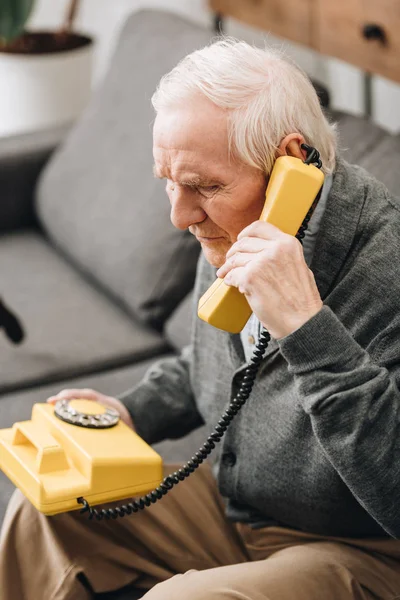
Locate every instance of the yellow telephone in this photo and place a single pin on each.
(291, 191)
(74, 449)
(79, 451)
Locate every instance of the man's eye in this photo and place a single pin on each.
(209, 189)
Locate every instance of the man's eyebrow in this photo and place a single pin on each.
(198, 180)
(192, 180)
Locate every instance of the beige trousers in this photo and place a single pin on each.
(187, 550)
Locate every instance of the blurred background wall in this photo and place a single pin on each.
(103, 19)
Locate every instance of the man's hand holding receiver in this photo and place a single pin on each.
(268, 266)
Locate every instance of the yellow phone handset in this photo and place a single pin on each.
(54, 462)
(291, 191)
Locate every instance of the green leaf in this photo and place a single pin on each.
(13, 17)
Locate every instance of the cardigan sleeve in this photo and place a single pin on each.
(162, 405)
(354, 405)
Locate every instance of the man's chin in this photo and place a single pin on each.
(214, 256)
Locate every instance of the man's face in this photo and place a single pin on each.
(211, 194)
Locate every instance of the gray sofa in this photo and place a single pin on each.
(88, 257)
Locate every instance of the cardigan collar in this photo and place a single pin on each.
(338, 225)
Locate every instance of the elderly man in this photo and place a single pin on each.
(303, 502)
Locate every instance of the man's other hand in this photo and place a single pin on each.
(88, 394)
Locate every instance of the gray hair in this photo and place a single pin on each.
(266, 95)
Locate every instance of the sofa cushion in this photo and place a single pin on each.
(71, 327)
(358, 136)
(178, 327)
(98, 199)
(368, 145)
(383, 161)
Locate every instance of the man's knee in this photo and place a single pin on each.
(192, 584)
(314, 570)
(311, 573)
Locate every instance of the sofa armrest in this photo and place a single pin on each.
(21, 160)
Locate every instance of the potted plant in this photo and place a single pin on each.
(45, 77)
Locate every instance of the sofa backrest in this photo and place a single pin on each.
(98, 200)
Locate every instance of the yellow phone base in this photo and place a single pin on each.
(54, 462)
(292, 188)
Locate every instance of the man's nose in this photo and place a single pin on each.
(185, 210)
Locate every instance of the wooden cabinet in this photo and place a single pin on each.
(286, 18)
(365, 33)
(341, 30)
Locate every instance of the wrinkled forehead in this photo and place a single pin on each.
(191, 136)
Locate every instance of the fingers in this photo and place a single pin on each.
(247, 244)
(70, 394)
(255, 238)
(237, 278)
(241, 252)
(260, 229)
(240, 259)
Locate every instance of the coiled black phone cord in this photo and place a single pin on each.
(174, 478)
(227, 417)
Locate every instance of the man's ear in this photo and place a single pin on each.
(291, 146)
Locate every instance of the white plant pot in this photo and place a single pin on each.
(40, 91)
